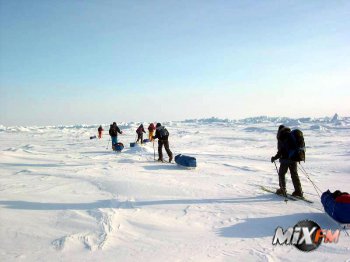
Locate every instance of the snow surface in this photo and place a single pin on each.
(64, 197)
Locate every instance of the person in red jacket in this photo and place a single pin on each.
(100, 130)
(151, 129)
(140, 130)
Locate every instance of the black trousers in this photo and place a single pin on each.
(167, 149)
(293, 168)
(140, 137)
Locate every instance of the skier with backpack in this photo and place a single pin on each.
(113, 132)
(139, 131)
(291, 150)
(100, 130)
(163, 139)
(151, 129)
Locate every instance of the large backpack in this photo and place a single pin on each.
(163, 132)
(296, 150)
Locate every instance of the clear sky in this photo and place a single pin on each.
(84, 61)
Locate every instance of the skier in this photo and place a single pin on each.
(283, 146)
(163, 139)
(140, 130)
(100, 130)
(151, 129)
(113, 132)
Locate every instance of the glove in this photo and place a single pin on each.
(153, 137)
(273, 159)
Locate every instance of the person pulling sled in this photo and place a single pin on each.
(139, 131)
(291, 150)
(162, 135)
(113, 132)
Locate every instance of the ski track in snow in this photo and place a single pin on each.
(64, 197)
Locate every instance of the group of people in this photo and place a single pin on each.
(283, 144)
(155, 132)
(140, 130)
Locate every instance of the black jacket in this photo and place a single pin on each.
(284, 143)
(114, 130)
(157, 135)
(140, 130)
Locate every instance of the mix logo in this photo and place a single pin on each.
(306, 236)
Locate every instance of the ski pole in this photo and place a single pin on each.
(108, 143)
(154, 152)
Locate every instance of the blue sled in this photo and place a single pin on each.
(337, 209)
(186, 161)
(118, 147)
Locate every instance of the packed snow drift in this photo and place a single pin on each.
(65, 197)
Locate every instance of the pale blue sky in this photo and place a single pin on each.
(66, 62)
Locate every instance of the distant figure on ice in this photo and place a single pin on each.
(151, 129)
(139, 131)
(163, 139)
(113, 132)
(287, 149)
(100, 130)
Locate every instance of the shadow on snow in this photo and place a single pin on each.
(265, 226)
(113, 203)
(246, 228)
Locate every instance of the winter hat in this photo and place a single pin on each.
(158, 125)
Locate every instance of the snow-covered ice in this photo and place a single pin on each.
(64, 197)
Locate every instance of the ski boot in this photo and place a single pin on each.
(281, 192)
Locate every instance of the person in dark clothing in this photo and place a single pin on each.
(162, 135)
(113, 132)
(283, 145)
(100, 130)
(140, 130)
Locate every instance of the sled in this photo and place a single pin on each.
(118, 147)
(186, 161)
(337, 207)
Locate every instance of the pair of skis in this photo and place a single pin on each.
(287, 196)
